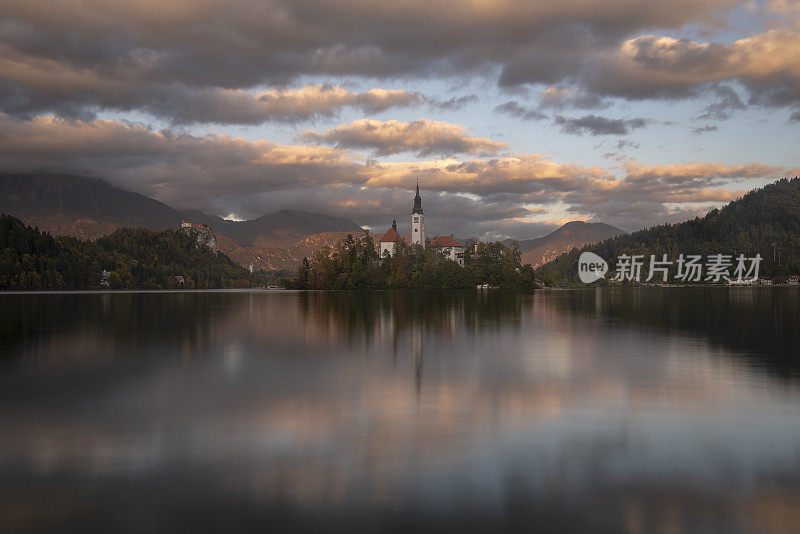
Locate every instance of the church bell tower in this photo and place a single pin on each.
(417, 221)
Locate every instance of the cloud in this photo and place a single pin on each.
(515, 192)
(422, 137)
(623, 144)
(553, 98)
(651, 66)
(595, 125)
(228, 106)
(152, 56)
(29, 87)
(620, 145)
(180, 169)
(727, 101)
(210, 61)
(704, 129)
(516, 110)
(704, 172)
(453, 104)
(570, 97)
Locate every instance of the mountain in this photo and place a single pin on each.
(83, 207)
(573, 234)
(286, 257)
(765, 221)
(283, 228)
(89, 208)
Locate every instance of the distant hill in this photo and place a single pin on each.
(283, 258)
(283, 228)
(89, 208)
(573, 234)
(765, 221)
(128, 258)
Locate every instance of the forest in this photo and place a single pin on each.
(129, 258)
(764, 221)
(353, 263)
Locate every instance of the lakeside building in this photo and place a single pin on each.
(450, 248)
(448, 245)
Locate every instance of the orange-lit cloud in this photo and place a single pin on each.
(423, 137)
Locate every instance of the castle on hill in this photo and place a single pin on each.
(203, 233)
(449, 246)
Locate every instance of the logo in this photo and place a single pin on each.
(591, 267)
(719, 268)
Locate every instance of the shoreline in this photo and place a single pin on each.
(289, 290)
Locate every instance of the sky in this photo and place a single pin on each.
(515, 116)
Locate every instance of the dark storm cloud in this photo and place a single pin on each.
(184, 59)
(595, 125)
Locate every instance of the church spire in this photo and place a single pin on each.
(394, 224)
(417, 201)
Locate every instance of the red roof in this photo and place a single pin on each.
(445, 241)
(390, 236)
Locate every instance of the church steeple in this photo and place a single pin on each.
(417, 221)
(417, 201)
(394, 224)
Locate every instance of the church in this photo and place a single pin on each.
(447, 245)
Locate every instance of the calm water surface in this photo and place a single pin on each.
(638, 410)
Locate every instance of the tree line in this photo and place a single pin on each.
(128, 258)
(353, 263)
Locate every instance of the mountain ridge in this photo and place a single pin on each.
(89, 208)
(763, 221)
(573, 234)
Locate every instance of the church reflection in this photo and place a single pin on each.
(397, 319)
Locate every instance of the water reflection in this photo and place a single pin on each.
(563, 411)
(760, 323)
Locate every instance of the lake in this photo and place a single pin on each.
(601, 410)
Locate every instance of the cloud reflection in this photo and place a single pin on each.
(340, 407)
